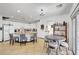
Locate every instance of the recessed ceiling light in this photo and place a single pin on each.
(12, 16)
(18, 11)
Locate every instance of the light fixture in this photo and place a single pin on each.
(42, 12)
(18, 11)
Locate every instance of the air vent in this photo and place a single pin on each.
(60, 5)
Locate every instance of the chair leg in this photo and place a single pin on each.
(20, 43)
(35, 40)
(48, 50)
(25, 43)
(10, 41)
(67, 51)
(57, 51)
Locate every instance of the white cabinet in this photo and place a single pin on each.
(6, 32)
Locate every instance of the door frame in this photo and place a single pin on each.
(73, 16)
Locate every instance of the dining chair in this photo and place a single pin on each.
(16, 39)
(52, 45)
(23, 39)
(34, 38)
(12, 39)
(65, 45)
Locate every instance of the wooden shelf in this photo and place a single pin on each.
(58, 35)
(59, 25)
(60, 28)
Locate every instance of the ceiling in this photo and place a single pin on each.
(31, 11)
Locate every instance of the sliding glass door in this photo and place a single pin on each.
(74, 35)
(77, 33)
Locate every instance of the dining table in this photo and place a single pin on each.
(28, 35)
(52, 37)
(55, 37)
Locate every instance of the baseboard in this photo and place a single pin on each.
(4, 41)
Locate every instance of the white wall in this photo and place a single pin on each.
(49, 27)
(41, 33)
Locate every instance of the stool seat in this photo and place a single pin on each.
(53, 45)
(64, 44)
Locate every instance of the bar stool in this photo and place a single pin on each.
(53, 45)
(65, 45)
(62, 40)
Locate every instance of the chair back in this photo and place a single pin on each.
(11, 36)
(22, 37)
(34, 35)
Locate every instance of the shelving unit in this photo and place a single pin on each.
(60, 30)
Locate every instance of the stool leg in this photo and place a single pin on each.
(56, 51)
(67, 51)
(48, 50)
